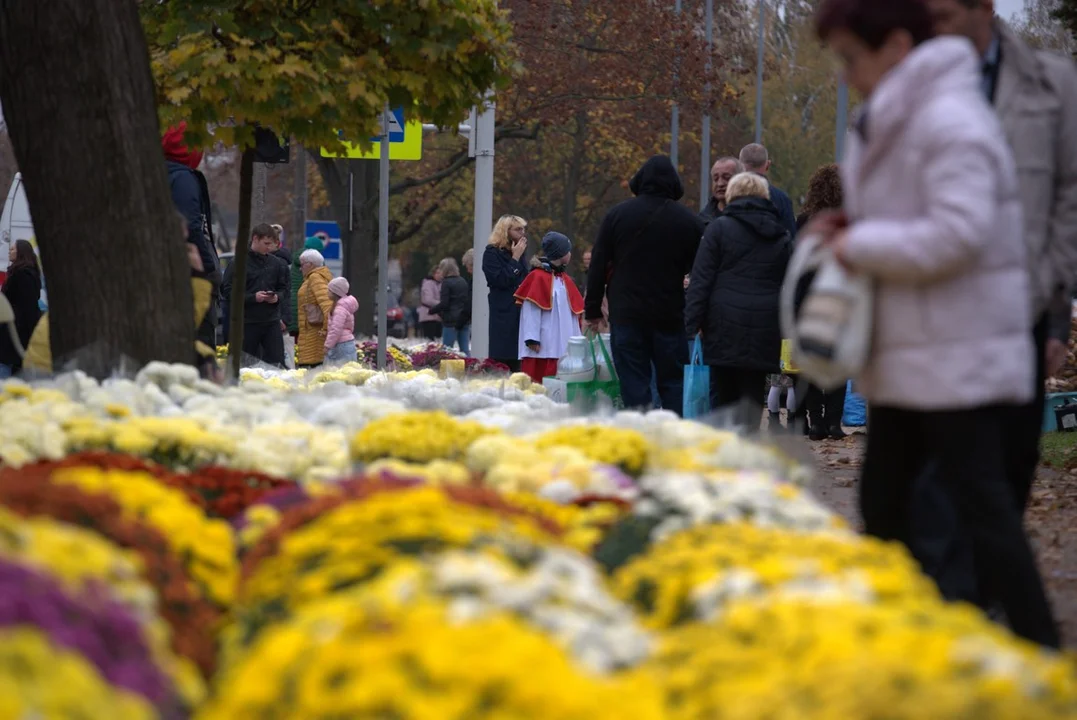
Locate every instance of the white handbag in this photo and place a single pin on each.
(830, 331)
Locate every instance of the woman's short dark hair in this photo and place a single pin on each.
(873, 20)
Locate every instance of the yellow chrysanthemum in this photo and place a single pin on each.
(40, 680)
(205, 546)
(810, 660)
(416, 437)
(341, 659)
(626, 449)
(358, 540)
(693, 574)
(437, 472)
(77, 557)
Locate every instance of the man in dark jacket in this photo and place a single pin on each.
(644, 249)
(190, 195)
(722, 172)
(266, 286)
(755, 158)
(286, 315)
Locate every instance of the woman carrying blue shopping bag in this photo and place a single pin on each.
(733, 296)
(697, 384)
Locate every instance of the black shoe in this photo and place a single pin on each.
(836, 433)
(817, 435)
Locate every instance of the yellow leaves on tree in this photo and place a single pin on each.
(313, 70)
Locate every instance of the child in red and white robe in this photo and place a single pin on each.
(551, 308)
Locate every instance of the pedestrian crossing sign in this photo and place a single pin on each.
(405, 141)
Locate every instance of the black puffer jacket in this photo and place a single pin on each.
(455, 305)
(284, 254)
(264, 273)
(736, 284)
(23, 290)
(644, 249)
(190, 195)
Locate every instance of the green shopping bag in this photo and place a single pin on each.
(589, 395)
(697, 384)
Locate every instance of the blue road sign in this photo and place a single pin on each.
(396, 126)
(333, 250)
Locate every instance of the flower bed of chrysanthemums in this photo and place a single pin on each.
(402, 356)
(343, 543)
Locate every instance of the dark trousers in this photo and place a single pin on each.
(822, 411)
(956, 459)
(730, 386)
(430, 329)
(636, 350)
(947, 554)
(265, 342)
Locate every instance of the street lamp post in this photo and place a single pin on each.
(675, 115)
(383, 241)
(842, 125)
(481, 146)
(759, 72)
(705, 139)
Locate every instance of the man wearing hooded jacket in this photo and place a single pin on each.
(190, 195)
(644, 249)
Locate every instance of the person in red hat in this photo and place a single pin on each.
(190, 195)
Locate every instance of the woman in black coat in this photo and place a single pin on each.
(454, 308)
(504, 267)
(820, 412)
(22, 288)
(734, 292)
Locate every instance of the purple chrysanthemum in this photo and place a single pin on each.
(282, 500)
(91, 623)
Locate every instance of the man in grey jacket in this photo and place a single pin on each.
(1035, 95)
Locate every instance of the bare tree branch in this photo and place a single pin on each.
(397, 237)
(461, 160)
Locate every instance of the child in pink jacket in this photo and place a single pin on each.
(340, 337)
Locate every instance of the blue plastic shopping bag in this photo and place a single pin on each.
(697, 384)
(856, 410)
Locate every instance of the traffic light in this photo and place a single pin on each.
(268, 148)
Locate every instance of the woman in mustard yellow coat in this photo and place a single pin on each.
(315, 307)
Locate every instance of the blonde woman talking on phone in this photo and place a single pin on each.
(504, 266)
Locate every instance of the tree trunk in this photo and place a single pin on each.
(78, 99)
(239, 277)
(258, 205)
(570, 193)
(299, 193)
(360, 245)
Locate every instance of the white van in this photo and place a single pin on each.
(16, 224)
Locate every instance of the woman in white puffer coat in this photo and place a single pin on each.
(932, 214)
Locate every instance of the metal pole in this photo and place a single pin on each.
(842, 124)
(759, 72)
(351, 198)
(482, 130)
(675, 116)
(383, 241)
(705, 140)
